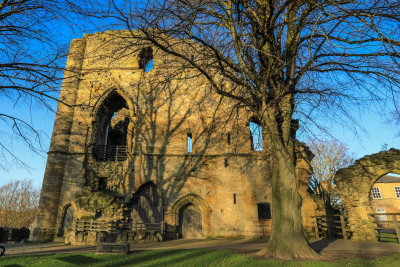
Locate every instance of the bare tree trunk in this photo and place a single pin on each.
(287, 239)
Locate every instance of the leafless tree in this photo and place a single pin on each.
(284, 59)
(29, 68)
(329, 157)
(394, 119)
(18, 204)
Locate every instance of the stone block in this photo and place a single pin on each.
(92, 237)
(118, 248)
(79, 237)
(159, 237)
(69, 237)
(102, 236)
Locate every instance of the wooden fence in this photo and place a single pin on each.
(331, 226)
(386, 226)
(113, 227)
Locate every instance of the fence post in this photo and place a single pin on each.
(316, 228)
(329, 226)
(375, 231)
(396, 227)
(343, 224)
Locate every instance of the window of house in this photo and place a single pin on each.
(256, 137)
(381, 217)
(376, 193)
(146, 59)
(264, 211)
(226, 163)
(397, 190)
(189, 142)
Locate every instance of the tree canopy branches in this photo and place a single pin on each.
(30, 71)
(265, 46)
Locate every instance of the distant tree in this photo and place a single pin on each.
(283, 60)
(395, 118)
(18, 204)
(329, 157)
(30, 74)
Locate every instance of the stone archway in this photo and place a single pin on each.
(354, 185)
(148, 204)
(67, 219)
(191, 214)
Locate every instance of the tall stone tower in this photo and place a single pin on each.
(140, 139)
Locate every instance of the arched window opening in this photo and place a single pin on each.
(112, 124)
(146, 59)
(256, 137)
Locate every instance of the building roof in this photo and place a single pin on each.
(389, 179)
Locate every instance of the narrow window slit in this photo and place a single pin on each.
(189, 143)
(256, 137)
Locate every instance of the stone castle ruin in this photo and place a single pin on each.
(153, 154)
(354, 185)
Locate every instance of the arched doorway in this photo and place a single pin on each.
(67, 219)
(190, 222)
(148, 204)
(191, 216)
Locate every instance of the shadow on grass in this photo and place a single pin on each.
(197, 257)
(78, 259)
(12, 265)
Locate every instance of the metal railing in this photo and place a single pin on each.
(386, 226)
(331, 226)
(110, 153)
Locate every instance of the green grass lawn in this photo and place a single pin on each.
(191, 257)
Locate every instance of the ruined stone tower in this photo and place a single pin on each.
(142, 144)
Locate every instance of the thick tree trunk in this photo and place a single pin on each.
(287, 239)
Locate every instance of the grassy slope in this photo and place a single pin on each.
(163, 258)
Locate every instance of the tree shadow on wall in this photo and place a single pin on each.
(163, 111)
(165, 117)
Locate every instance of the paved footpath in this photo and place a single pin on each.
(328, 248)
